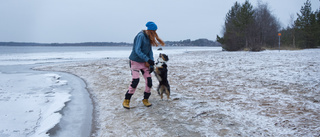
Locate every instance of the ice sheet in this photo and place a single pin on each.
(30, 103)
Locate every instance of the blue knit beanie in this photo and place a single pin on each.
(151, 26)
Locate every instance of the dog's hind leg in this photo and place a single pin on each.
(161, 91)
(168, 92)
(158, 89)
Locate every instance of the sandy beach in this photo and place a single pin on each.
(214, 93)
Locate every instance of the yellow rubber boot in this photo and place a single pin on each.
(146, 103)
(126, 103)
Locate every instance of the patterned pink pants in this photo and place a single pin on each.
(136, 67)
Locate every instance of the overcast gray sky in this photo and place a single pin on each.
(63, 21)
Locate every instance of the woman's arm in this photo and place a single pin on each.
(137, 48)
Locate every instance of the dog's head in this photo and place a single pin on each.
(163, 58)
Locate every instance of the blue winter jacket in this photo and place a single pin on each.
(142, 49)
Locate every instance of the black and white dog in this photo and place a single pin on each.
(161, 72)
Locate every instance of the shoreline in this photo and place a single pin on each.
(93, 114)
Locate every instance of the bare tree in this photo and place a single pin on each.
(293, 30)
(267, 25)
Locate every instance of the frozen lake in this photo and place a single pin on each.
(14, 55)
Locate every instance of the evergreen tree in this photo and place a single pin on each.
(232, 14)
(230, 39)
(245, 22)
(317, 33)
(305, 31)
(305, 24)
(237, 27)
(286, 36)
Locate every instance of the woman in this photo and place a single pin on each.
(141, 60)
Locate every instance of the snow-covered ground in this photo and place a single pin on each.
(214, 93)
(43, 103)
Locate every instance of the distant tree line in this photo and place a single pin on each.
(304, 32)
(247, 28)
(65, 44)
(188, 42)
